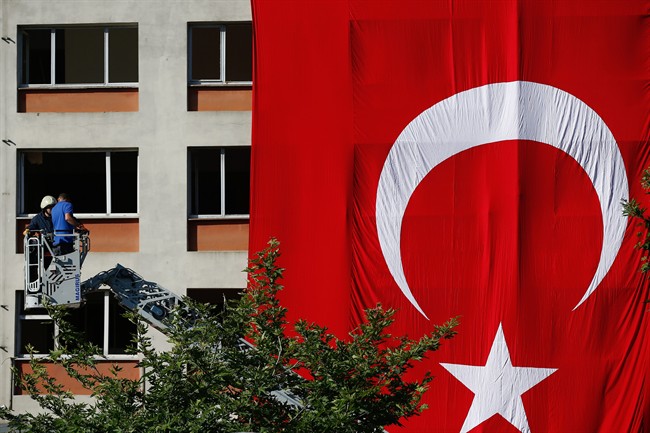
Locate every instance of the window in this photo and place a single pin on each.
(214, 297)
(80, 55)
(219, 181)
(104, 182)
(100, 319)
(220, 53)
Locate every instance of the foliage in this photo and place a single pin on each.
(632, 208)
(208, 383)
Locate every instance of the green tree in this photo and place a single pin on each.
(632, 208)
(209, 381)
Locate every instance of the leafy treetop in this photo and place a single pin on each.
(206, 382)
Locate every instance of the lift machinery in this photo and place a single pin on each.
(58, 279)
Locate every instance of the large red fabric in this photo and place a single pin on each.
(352, 101)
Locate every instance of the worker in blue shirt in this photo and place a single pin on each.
(64, 223)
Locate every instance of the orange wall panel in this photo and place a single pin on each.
(106, 235)
(77, 100)
(215, 235)
(118, 235)
(130, 370)
(219, 99)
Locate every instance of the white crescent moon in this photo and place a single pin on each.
(518, 110)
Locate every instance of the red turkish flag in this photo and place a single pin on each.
(467, 159)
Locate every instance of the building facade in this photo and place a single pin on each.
(141, 111)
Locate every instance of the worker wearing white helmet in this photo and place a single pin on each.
(41, 225)
(42, 221)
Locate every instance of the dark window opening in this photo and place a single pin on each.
(89, 318)
(124, 176)
(122, 55)
(36, 62)
(208, 184)
(83, 176)
(36, 333)
(237, 180)
(208, 51)
(215, 297)
(121, 331)
(206, 60)
(79, 56)
(239, 52)
(80, 174)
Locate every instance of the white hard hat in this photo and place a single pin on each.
(48, 200)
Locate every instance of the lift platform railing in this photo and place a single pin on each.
(51, 276)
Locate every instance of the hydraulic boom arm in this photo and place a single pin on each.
(150, 300)
(153, 303)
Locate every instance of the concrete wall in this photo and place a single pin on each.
(162, 130)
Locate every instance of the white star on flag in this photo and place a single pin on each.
(498, 386)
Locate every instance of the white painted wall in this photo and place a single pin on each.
(162, 130)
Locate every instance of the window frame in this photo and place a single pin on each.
(222, 168)
(22, 52)
(20, 196)
(26, 316)
(223, 81)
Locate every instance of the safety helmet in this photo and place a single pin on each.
(48, 200)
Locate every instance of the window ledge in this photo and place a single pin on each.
(116, 357)
(91, 215)
(34, 317)
(217, 84)
(218, 217)
(107, 216)
(78, 86)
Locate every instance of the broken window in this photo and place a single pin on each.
(219, 181)
(221, 53)
(89, 55)
(104, 182)
(112, 332)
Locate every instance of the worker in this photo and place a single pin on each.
(64, 223)
(42, 221)
(41, 224)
